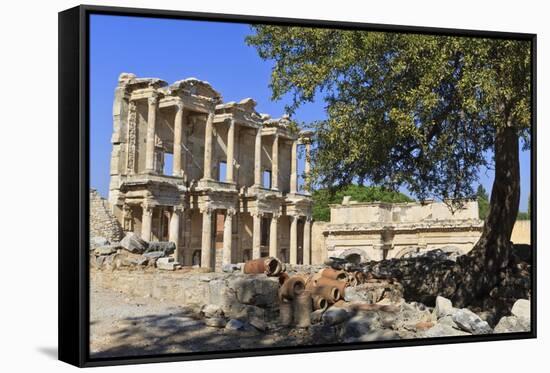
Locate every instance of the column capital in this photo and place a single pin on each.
(179, 209)
(179, 105)
(147, 208)
(231, 211)
(207, 209)
(153, 100)
(257, 213)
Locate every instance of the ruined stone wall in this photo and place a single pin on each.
(233, 293)
(102, 221)
(318, 248)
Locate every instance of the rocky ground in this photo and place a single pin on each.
(124, 326)
(243, 311)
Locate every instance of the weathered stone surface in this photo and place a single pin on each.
(316, 316)
(443, 307)
(166, 247)
(375, 335)
(167, 264)
(361, 324)
(470, 322)
(133, 243)
(230, 268)
(215, 322)
(442, 330)
(373, 292)
(104, 227)
(335, 315)
(512, 324)
(154, 254)
(258, 323)
(106, 250)
(522, 309)
(212, 310)
(97, 242)
(234, 324)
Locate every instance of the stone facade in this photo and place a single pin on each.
(102, 222)
(377, 231)
(218, 179)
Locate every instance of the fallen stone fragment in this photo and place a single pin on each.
(360, 325)
(316, 316)
(166, 247)
(154, 254)
(442, 330)
(215, 322)
(423, 325)
(234, 324)
(512, 324)
(258, 324)
(105, 250)
(98, 241)
(211, 311)
(334, 316)
(133, 243)
(443, 307)
(522, 309)
(167, 264)
(470, 322)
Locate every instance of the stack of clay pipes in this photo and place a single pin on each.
(300, 294)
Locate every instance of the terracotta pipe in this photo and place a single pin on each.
(285, 313)
(292, 287)
(330, 293)
(283, 277)
(269, 266)
(340, 285)
(302, 309)
(320, 303)
(333, 274)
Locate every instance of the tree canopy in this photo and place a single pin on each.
(482, 202)
(322, 198)
(402, 109)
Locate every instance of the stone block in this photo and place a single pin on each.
(470, 322)
(443, 307)
(522, 309)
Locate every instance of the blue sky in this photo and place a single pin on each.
(177, 49)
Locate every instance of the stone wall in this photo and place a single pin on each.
(318, 244)
(102, 222)
(234, 293)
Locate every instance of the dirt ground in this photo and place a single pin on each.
(129, 326)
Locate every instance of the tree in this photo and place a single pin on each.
(322, 198)
(416, 110)
(482, 202)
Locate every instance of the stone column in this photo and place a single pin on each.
(178, 165)
(307, 166)
(256, 235)
(230, 151)
(206, 246)
(146, 222)
(150, 143)
(293, 168)
(307, 241)
(275, 163)
(208, 132)
(273, 238)
(258, 158)
(293, 240)
(227, 236)
(174, 232)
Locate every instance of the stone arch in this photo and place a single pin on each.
(404, 251)
(354, 255)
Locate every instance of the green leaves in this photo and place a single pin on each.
(323, 198)
(402, 109)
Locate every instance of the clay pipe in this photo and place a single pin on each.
(292, 287)
(333, 274)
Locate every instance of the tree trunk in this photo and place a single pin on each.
(481, 268)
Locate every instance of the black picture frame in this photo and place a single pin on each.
(74, 184)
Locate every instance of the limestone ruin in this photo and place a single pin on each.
(375, 231)
(232, 191)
